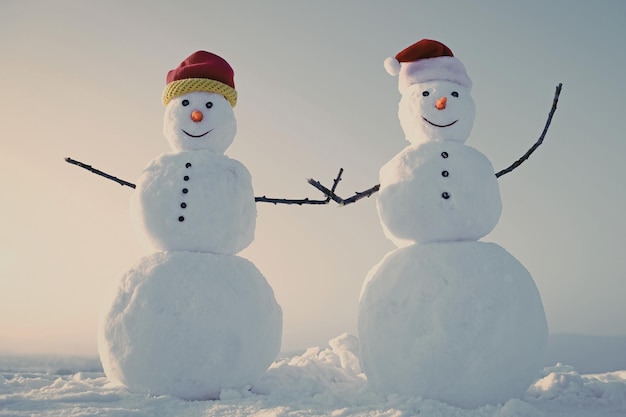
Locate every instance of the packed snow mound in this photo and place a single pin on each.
(460, 322)
(564, 384)
(195, 201)
(190, 324)
(320, 382)
(438, 191)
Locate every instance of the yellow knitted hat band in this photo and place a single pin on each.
(187, 85)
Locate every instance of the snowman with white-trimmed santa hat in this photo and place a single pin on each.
(445, 316)
(193, 319)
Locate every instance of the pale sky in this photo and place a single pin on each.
(84, 79)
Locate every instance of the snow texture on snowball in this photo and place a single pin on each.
(459, 322)
(423, 122)
(195, 201)
(215, 131)
(190, 325)
(412, 205)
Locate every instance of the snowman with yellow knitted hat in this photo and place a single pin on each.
(445, 316)
(193, 319)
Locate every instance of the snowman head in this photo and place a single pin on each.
(436, 111)
(199, 120)
(436, 102)
(199, 96)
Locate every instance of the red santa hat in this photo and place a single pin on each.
(201, 71)
(427, 60)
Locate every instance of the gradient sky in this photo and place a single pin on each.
(84, 79)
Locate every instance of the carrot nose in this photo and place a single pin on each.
(441, 103)
(197, 116)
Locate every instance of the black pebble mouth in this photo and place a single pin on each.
(434, 124)
(196, 136)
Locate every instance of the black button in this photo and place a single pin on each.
(181, 219)
(185, 191)
(186, 177)
(445, 173)
(445, 195)
(188, 165)
(444, 154)
(183, 205)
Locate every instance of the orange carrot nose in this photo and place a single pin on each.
(441, 103)
(197, 116)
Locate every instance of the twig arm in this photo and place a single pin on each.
(361, 194)
(540, 140)
(98, 172)
(299, 202)
(328, 193)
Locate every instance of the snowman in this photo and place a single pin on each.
(445, 316)
(193, 319)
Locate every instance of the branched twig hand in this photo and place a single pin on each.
(331, 193)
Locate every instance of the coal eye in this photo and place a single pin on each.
(454, 94)
(185, 102)
(209, 105)
(425, 93)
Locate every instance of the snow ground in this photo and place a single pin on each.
(318, 382)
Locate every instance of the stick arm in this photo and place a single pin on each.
(540, 140)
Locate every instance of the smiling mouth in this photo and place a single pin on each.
(195, 136)
(435, 124)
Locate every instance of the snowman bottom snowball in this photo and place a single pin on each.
(459, 322)
(190, 324)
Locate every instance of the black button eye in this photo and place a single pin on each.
(454, 94)
(209, 105)
(425, 93)
(185, 102)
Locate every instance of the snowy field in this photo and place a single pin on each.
(319, 382)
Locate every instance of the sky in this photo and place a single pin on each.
(84, 79)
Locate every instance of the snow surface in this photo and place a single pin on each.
(318, 382)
